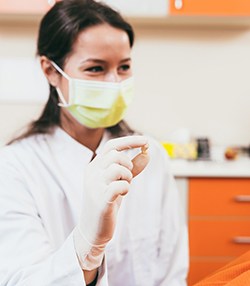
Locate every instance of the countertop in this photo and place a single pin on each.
(239, 168)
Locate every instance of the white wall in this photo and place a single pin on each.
(196, 78)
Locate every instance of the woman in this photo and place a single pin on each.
(73, 210)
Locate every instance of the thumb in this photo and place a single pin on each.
(140, 161)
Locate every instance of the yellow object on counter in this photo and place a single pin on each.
(182, 151)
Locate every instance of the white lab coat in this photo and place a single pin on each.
(41, 182)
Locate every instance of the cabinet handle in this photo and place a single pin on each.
(178, 4)
(242, 199)
(241, 239)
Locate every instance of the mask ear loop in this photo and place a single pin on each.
(64, 103)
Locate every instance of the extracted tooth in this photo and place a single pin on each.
(144, 149)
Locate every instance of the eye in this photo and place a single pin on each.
(95, 69)
(124, 67)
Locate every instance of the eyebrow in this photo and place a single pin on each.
(102, 61)
(126, 60)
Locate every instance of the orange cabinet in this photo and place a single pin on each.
(219, 223)
(24, 6)
(209, 7)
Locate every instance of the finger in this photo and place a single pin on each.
(125, 143)
(117, 157)
(117, 172)
(116, 189)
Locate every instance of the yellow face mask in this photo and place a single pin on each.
(97, 104)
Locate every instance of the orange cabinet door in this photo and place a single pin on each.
(219, 197)
(210, 7)
(224, 237)
(24, 6)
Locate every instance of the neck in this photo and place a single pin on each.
(90, 138)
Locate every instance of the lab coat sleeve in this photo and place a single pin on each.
(26, 256)
(173, 256)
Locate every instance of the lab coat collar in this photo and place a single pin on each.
(106, 136)
(66, 142)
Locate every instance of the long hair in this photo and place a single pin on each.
(58, 32)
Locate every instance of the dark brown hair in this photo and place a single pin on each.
(58, 31)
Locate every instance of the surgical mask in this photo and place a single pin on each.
(96, 104)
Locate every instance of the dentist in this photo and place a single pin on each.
(84, 199)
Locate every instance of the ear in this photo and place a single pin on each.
(49, 71)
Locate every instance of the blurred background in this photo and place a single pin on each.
(189, 73)
(191, 62)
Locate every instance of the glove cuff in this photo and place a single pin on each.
(90, 256)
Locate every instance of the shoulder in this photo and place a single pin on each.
(22, 151)
(20, 163)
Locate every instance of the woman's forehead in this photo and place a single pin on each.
(101, 38)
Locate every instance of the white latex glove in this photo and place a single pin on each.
(106, 180)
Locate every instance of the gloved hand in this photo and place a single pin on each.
(106, 180)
